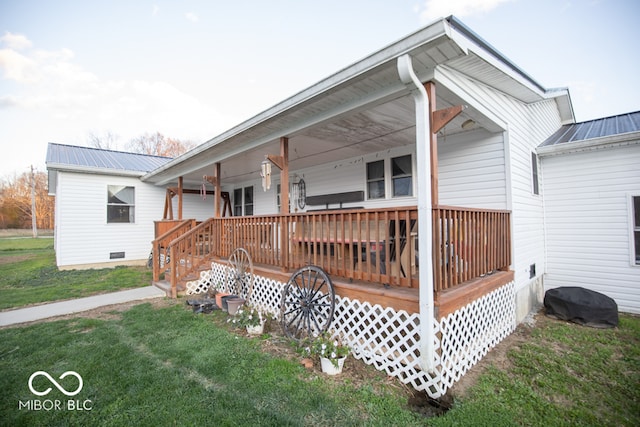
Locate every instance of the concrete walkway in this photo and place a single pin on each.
(39, 312)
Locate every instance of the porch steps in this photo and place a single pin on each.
(165, 286)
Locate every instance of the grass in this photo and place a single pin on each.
(28, 275)
(562, 375)
(167, 366)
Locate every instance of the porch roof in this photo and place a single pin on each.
(364, 107)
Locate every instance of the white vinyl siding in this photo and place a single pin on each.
(83, 235)
(471, 170)
(587, 197)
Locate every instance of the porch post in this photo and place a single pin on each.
(217, 190)
(433, 143)
(180, 198)
(284, 176)
(421, 99)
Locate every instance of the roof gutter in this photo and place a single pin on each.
(426, 303)
(63, 167)
(610, 141)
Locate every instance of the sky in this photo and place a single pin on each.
(192, 69)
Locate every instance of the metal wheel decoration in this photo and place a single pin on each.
(239, 275)
(308, 302)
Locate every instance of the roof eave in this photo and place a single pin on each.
(618, 140)
(61, 167)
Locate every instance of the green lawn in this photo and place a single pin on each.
(161, 364)
(28, 275)
(168, 366)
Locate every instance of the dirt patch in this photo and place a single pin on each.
(497, 356)
(14, 259)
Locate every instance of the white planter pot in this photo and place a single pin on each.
(329, 368)
(255, 330)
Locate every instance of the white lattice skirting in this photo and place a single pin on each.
(389, 339)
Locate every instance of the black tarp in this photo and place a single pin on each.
(582, 306)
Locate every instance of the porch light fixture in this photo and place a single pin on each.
(265, 173)
(468, 124)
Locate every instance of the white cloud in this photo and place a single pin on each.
(18, 67)
(155, 10)
(62, 101)
(15, 41)
(434, 9)
(191, 16)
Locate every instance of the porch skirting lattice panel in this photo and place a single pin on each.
(389, 339)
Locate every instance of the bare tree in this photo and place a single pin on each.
(106, 141)
(16, 201)
(157, 144)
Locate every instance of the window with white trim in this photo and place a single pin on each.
(535, 184)
(635, 212)
(243, 201)
(375, 180)
(392, 176)
(120, 204)
(402, 176)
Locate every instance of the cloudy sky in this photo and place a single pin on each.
(192, 69)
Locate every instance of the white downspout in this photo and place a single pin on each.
(427, 335)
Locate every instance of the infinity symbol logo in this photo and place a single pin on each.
(54, 382)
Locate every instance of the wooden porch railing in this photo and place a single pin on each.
(161, 246)
(468, 243)
(364, 244)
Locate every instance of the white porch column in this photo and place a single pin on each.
(423, 126)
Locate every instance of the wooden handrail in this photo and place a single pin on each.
(376, 245)
(160, 246)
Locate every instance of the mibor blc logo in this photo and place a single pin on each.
(55, 383)
(51, 404)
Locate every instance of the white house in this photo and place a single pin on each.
(590, 181)
(418, 167)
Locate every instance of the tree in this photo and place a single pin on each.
(106, 141)
(158, 145)
(15, 202)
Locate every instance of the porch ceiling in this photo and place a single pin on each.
(389, 125)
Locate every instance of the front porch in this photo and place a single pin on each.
(370, 254)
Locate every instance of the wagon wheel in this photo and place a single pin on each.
(239, 275)
(308, 302)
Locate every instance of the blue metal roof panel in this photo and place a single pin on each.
(86, 157)
(598, 128)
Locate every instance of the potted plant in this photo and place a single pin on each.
(331, 351)
(251, 318)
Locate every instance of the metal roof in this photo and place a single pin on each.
(70, 157)
(593, 129)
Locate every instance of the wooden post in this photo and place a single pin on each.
(180, 198)
(433, 142)
(284, 175)
(217, 190)
(284, 201)
(437, 120)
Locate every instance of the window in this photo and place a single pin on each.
(237, 202)
(375, 180)
(401, 176)
(635, 207)
(248, 200)
(120, 204)
(534, 173)
(243, 201)
(394, 174)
